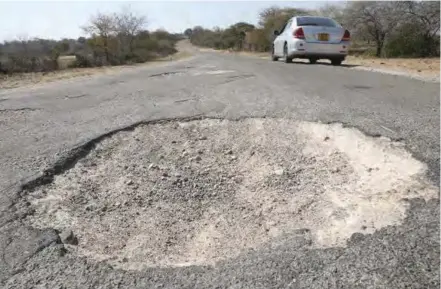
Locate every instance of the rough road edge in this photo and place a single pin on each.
(434, 79)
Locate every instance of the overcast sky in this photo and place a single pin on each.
(62, 19)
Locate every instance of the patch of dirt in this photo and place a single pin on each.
(26, 79)
(428, 68)
(420, 65)
(198, 192)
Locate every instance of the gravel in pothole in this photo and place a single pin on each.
(198, 192)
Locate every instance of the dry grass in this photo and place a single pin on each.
(25, 79)
(419, 66)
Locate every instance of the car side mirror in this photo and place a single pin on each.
(276, 32)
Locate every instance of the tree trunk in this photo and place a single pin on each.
(131, 44)
(431, 45)
(106, 49)
(380, 43)
(379, 50)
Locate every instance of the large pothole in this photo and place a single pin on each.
(194, 193)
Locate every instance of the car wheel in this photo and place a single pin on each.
(313, 60)
(336, 61)
(273, 57)
(285, 54)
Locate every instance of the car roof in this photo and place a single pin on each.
(310, 16)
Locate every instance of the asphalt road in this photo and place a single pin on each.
(40, 126)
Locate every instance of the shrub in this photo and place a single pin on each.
(408, 41)
(21, 64)
(142, 55)
(113, 48)
(83, 61)
(166, 47)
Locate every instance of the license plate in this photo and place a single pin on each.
(323, 36)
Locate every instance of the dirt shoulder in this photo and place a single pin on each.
(26, 79)
(428, 68)
(421, 68)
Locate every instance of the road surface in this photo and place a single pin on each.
(40, 125)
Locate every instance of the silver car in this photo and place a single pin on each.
(313, 38)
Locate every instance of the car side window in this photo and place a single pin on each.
(282, 29)
(288, 25)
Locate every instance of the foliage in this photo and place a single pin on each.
(419, 35)
(385, 28)
(113, 39)
(408, 41)
(188, 32)
(243, 35)
(392, 29)
(257, 40)
(334, 11)
(377, 20)
(398, 29)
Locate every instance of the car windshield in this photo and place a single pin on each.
(316, 21)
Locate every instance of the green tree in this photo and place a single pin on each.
(188, 32)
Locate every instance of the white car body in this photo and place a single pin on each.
(322, 38)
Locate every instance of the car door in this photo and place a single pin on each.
(282, 38)
(278, 42)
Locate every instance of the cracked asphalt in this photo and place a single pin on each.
(42, 126)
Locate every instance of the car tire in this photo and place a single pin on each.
(285, 54)
(273, 57)
(312, 60)
(336, 62)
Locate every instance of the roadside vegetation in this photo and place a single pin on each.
(381, 29)
(109, 39)
(401, 29)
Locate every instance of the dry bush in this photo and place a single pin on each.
(114, 39)
(65, 62)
